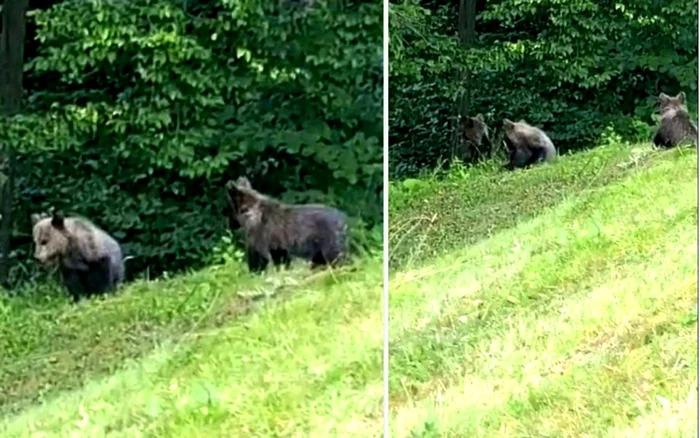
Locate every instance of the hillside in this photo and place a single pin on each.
(192, 356)
(558, 301)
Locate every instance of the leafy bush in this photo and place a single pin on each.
(573, 68)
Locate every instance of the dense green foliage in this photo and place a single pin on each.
(578, 69)
(138, 112)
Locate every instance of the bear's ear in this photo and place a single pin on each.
(35, 217)
(507, 124)
(243, 197)
(681, 97)
(243, 182)
(58, 220)
(479, 117)
(663, 96)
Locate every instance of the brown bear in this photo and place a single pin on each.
(527, 144)
(256, 263)
(676, 126)
(275, 231)
(473, 142)
(90, 260)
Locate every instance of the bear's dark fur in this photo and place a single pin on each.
(256, 262)
(473, 142)
(233, 223)
(527, 144)
(676, 126)
(90, 260)
(275, 231)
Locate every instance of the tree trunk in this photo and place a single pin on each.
(466, 28)
(11, 71)
(467, 33)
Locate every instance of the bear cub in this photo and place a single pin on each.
(90, 260)
(473, 141)
(676, 126)
(275, 231)
(256, 263)
(527, 144)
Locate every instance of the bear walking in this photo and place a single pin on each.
(676, 126)
(256, 263)
(90, 260)
(527, 144)
(275, 231)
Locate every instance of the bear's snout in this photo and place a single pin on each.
(41, 256)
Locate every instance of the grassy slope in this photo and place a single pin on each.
(183, 358)
(568, 312)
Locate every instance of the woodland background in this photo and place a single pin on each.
(581, 70)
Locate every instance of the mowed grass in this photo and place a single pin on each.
(572, 316)
(468, 205)
(194, 356)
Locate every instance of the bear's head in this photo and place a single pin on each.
(244, 202)
(473, 129)
(672, 104)
(50, 238)
(508, 126)
(513, 133)
(232, 200)
(242, 181)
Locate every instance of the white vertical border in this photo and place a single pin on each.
(385, 276)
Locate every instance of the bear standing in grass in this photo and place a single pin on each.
(527, 144)
(676, 126)
(256, 263)
(90, 260)
(275, 231)
(473, 141)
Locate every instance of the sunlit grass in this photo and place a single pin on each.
(577, 318)
(190, 357)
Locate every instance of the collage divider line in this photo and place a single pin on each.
(385, 244)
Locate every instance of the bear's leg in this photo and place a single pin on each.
(660, 139)
(256, 262)
(99, 279)
(318, 261)
(536, 156)
(287, 260)
(332, 253)
(281, 258)
(519, 158)
(322, 254)
(73, 280)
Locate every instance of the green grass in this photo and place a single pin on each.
(195, 356)
(469, 205)
(557, 302)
